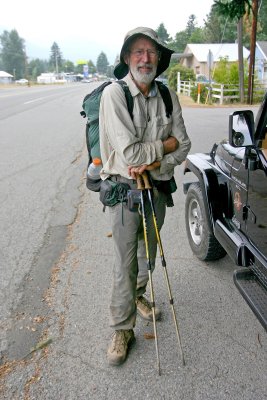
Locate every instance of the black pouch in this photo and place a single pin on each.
(168, 187)
(112, 193)
(133, 199)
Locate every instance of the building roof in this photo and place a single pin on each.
(262, 46)
(4, 74)
(219, 50)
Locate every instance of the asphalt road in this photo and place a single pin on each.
(56, 273)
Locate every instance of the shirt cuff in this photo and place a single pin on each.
(159, 150)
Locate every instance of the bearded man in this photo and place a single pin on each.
(149, 140)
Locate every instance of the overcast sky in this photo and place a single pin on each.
(84, 28)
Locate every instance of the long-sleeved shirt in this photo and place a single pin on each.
(132, 142)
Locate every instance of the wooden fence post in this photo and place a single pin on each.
(221, 97)
(178, 82)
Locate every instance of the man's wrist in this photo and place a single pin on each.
(170, 144)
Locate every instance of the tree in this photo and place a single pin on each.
(163, 34)
(68, 66)
(235, 10)
(13, 54)
(102, 63)
(56, 58)
(36, 67)
(180, 42)
(192, 34)
(219, 29)
(91, 67)
(110, 71)
(191, 25)
(262, 19)
(198, 36)
(254, 9)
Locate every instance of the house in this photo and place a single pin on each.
(261, 62)
(5, 77)
(196, 56)
(50, 77)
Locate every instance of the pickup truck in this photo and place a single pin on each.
(226, 204)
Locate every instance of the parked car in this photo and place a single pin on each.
(87, 80)
(22, 81)
(226, 205)
(203, 79)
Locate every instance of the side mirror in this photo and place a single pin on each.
(241, 128)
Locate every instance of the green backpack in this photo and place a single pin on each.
(91, 104)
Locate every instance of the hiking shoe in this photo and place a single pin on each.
(118, 348)
(144, 309)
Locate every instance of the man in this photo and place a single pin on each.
(150, 141)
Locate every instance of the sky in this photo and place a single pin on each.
(84, 29)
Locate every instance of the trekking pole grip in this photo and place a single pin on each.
(140, 183)
(146, 180)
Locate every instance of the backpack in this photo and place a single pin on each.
(91, 104)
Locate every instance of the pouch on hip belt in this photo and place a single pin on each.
(112, 193)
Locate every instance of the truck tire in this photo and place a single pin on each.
(201, 238)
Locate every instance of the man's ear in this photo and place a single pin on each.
(126, 59)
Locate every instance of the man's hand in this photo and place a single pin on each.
(171, 144)
(133, 171)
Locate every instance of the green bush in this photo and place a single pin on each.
(227, 72)
(186, 75)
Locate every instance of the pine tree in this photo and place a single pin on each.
(102, 63)
(13, 54)
(163, 34)
(56, 58)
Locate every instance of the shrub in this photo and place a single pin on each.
(203, 92)
(186, 75)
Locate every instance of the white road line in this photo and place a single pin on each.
(32, 101)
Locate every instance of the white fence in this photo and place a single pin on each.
(219, 92)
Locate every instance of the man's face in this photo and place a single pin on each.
(143, 60)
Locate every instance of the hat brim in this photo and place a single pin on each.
(122, 69)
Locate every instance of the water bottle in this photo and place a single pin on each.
(94, 169)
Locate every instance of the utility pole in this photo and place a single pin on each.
(254, 7)
(240, 58)
(56, 62)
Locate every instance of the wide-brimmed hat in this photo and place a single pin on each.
(121, 69)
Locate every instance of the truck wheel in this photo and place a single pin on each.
(201, 238)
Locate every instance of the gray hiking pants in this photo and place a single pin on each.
(130, 274)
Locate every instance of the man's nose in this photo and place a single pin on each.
(146, 56)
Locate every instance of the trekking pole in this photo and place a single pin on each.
(163, 262)
(141, 187)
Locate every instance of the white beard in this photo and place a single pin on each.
(146, 78)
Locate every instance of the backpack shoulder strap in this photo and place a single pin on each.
(164, 91)
(95, 94)
(128, 96)
(166, 96)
